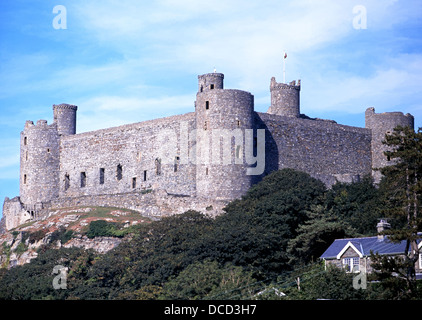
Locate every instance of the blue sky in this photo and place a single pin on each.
(125, 61)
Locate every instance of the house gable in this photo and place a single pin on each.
(349, 250)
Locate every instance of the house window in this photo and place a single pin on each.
(133, 183)
(351, 264)
(207, 105)
(66, 182)
(119, 172)
(83, 179)
(420, 260)
(102, 172)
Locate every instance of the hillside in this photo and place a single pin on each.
(68, 227)
(259, 247)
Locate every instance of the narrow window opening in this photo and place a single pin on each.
(119, 172)
(48, 150)
(145, 175)
(211, 86)
(388, 158)
(66, 182)
(201, 89)
(205, 126)
(238, 123)
(207, 105)
(176, 163)
(25, 141)
(102, 172)
(158, 166)
(83, 179)
(238, 151)
(24, 179)
(206, 171)
(26, 155)
(133, 183)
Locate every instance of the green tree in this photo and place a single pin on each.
(209, 280)
(34, 280)
(315, 235)
(356, 204)
(402, 187)
(316, 282)
(255, 230)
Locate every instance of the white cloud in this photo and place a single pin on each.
(397, 78)
(109, 111)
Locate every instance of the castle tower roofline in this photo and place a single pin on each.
(285, 98)
(211, 74)
(65, 117)
(292, 85)
(210, 81)
(65, 106)
(371, 110)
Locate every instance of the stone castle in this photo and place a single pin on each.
(199, 160)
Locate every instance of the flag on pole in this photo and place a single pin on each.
(285, 55)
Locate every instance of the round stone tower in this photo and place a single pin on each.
(285, 98)
(65, 117)
(380, 125)
(39, 169)
(222, 117)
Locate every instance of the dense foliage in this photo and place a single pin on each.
(256, 249)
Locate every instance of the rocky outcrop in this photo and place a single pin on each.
(20, 245)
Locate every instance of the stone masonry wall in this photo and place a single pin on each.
(129, 158)
(324, 149)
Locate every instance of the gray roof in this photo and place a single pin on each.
(365, 246)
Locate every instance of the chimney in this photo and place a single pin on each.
(382, 226)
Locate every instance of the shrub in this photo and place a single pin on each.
(102, 228)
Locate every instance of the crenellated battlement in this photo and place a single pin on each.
(65, 106)
(126, 162)
(285, 98)
(274, 85)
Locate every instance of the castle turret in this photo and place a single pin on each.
(39, 164)
(285, 98)
(380, 125)
(210, 81)
(222, 117)
(65, 117)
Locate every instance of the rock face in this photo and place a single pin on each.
(99, 244)
(21, 245)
